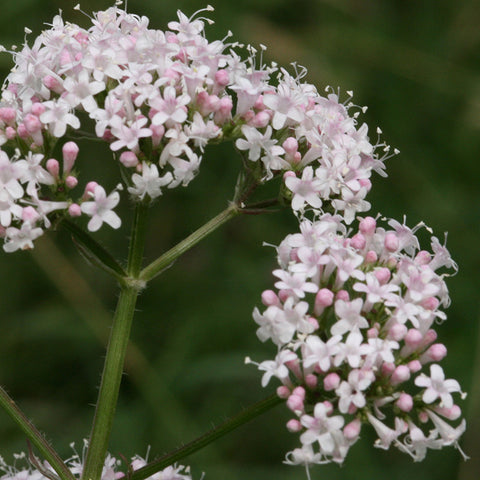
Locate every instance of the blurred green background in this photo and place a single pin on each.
(416, 65)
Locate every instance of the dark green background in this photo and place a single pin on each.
(415, 64)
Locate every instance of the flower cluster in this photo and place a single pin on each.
(112, 469)
(158, 98)
(353, 318)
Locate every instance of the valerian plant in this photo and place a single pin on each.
(354, 308)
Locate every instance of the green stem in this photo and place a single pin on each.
(165, 260)
(35, 436)
(115, 356)
(232, 423)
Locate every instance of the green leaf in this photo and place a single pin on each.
(93, 252)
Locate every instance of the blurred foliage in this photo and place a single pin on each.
(416, 65)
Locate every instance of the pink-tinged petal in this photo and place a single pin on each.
(430, 395)
(94, 224)
(112, 219)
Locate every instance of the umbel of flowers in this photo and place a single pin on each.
(354, 313)
(158, 98)
(353, 318)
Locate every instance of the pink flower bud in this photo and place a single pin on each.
(313, 322)
(129, 159)
(29, 214)
(343, 295)
(222, 77)
(297, 157)
(269, 297)
(224, 111)
(283, 392)
(435, 353)
(414, 366)
(358, 241)
(10, 133)
(22, 131)
(74, 210)
(388, 369)
(397, 332)
(283, 295)
(290, 145)
(295, 403)
(323, 298)
(70, 152)
(331, 382)
(213, 103)
(71, 182)
(405, 402)
(429, 337)
(430, 303)
(248, 116)
(392, 263)
(423, 417)
(423, 258)
(372, 333)
(260, 120)
(383, 275)
(294, 426)
(391, 242)
(300, 391)
(311, 381)
(8, 115)
(38, 108)
(52, 83)
(53, 167)
(352, 408)
(157, 134)
(367, 225)
(371, 257)
(89, 189)
(351, 431)
(413, 338)
(401, 374)
(451, 413)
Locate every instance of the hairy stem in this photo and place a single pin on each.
(35, 436)
(232, 423)
(116, 350)
(165, 260)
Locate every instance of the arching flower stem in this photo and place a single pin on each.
(249, 413)
(36, 437)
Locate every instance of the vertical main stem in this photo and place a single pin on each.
(115, 356)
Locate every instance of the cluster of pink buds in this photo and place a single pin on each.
(353, 318)
(158, 98)
(112, 469)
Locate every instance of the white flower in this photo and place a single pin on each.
(277, 367)
(305, 190)
(320, 428)
(318, 352)
(349, 314)
(128, 134)
(100, 209)
(82, 90)
(57, 115)
(21, 239)
(149, 182)
(437, 386)
(255, 141)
